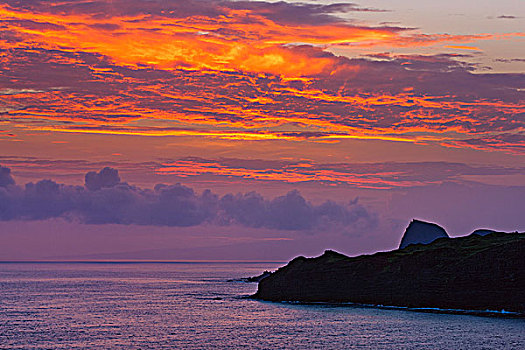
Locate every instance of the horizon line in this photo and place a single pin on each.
(135, 261)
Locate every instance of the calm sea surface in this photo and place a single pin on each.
(193, 306)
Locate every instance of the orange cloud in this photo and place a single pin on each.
(237, 73)
(238, 40)
(462, 47)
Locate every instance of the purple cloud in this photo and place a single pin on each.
(107, 177)
(106, 200)
(299, 13)
(5, 177)
(293, 212)
(283, 12)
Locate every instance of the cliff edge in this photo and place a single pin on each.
(473, 273)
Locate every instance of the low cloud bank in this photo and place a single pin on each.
(105, 199)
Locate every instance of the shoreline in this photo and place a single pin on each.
(467, 312)
(469, 275)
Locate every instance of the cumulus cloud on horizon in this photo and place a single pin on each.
(104, 199)
(5, 177)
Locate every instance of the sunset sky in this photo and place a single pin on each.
(256, 130)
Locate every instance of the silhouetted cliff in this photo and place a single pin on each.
(474, 272)
(421, 232)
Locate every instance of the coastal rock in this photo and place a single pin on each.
(258, 278)
(470, 273)
(421, 232)
(484, 232)
(253, 278)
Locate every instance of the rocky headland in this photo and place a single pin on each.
(422, 232)
(477, 272)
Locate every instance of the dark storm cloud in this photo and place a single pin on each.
(106, 200)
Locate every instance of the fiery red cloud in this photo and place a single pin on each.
(241, 70)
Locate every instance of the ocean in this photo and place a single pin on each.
(196, 306)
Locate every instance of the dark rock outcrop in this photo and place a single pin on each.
(473, 273)
(421, 232)
(484, 232)
(258, 278)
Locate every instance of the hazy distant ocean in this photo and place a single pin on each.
(192, 306)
